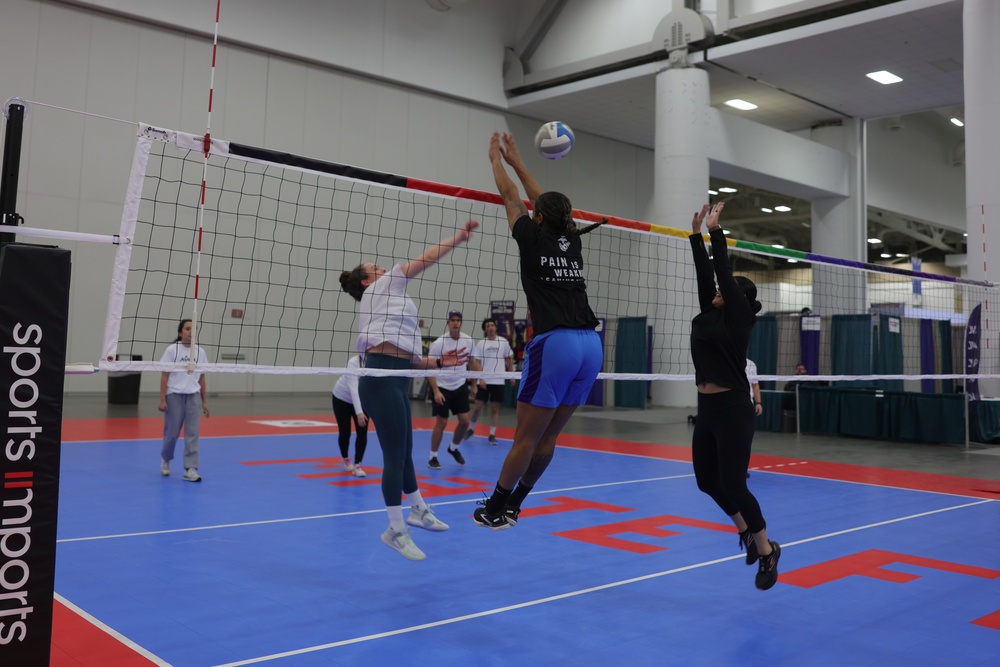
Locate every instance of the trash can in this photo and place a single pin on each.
(123, 386)
(788, 421)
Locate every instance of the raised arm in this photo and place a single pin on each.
(508, 191)
(731, 292)
(702, 267)
(414, 267)
(512, 156)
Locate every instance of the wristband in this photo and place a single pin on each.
(757, 403)
(439, 362)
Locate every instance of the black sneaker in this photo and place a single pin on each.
(459, 459)
(491, 521)
(746, 540)
(492, 440)
(511, 513)
(767, 569)
(434, 464)
(468, 432)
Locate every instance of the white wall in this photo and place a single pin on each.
(910, 171)
(75, 167)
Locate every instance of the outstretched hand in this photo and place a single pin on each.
(494, 151)
(466, 233)
(455, 357)
(699, 217)
(712, 221)
(509, 150)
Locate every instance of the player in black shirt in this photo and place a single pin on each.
(564, 357)
(724, 427)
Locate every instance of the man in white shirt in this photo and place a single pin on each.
(493, 355)
(449, 390)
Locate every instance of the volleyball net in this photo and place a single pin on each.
(260, 277)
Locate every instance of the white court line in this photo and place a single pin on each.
(572, 594)
(340, 514)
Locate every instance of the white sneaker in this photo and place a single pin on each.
(403, 543)
(425, 519)
(165, 467)
(359, 471)
(348, 466)
(191, 475)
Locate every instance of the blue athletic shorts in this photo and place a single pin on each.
(560, 367)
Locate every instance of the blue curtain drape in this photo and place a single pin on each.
(809, 327)
(947, 368)
(927, 355)
(889, 360)
(630, 357)
(851, 348)
(763, 347)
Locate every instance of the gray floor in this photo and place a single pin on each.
(657, 425)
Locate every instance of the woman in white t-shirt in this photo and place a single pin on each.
(182, 402)
(389, 338)
(347, 408)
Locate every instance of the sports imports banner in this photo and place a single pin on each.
(34, 305)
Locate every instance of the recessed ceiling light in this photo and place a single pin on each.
(726, 231)
(883, 77)
(777, 245)
(886, 255)
(767, 210)
(958, 122)
(727, 190)
(712, 192)
(793, 261)
(901, 254)
(742, 105)
(874, 241)
(783, 208)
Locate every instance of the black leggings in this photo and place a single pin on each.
(345, 414)
(720, 451)
(388, 407)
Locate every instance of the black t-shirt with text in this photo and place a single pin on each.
(552, 277)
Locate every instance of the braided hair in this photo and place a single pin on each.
(557, 214)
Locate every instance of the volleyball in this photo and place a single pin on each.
(554, 140)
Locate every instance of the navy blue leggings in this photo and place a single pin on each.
(720, 451)
(388, 406)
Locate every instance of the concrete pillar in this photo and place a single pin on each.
(980, 24)
(680, 171)
(839, 227)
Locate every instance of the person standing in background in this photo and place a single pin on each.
(449, 391)
(183, 400)
(493, 354)
(347, 408)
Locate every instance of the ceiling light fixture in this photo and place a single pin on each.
(886, 255)
(883, 77)
(742, 105)
(766, 210)
(712, 192)
(901, 254)
(793, 261)
(778, 246)
(874, 241)
(783, 208)
(727, 190)
(958, 122)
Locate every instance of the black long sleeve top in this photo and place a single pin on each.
(719, 336)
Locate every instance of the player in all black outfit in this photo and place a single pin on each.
(724, 427)
(563, 358)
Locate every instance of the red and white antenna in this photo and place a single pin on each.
(207, 146)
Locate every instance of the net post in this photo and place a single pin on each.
(34, 311)
(14, 113)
